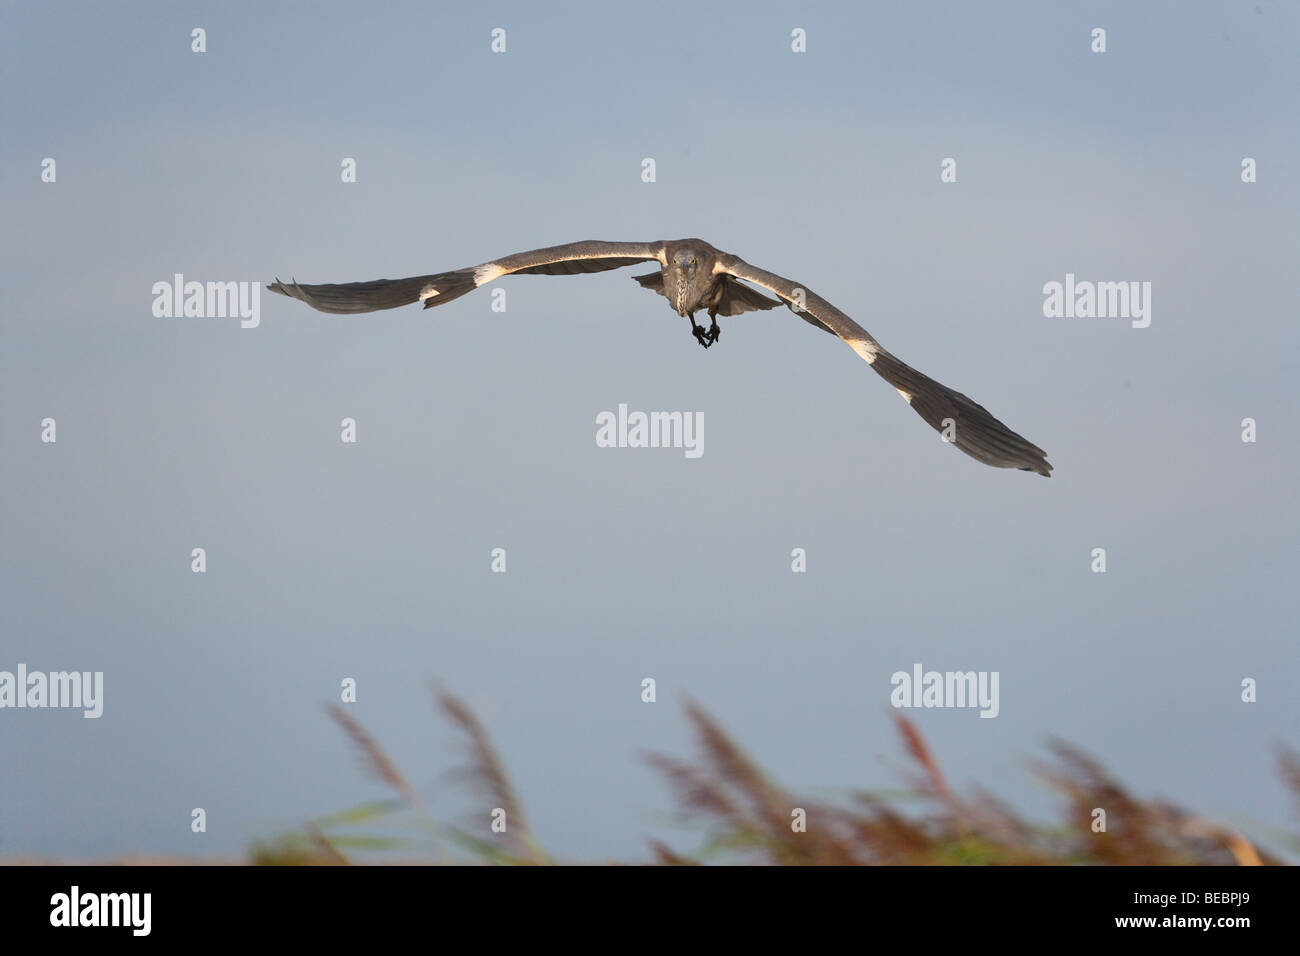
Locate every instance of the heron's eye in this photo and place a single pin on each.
(692, 261)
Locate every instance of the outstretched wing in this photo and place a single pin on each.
(570, 259)
(967, 424)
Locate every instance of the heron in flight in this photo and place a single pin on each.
(694, 277)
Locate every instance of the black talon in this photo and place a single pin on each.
(704, 338)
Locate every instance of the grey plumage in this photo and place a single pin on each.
(694, 276)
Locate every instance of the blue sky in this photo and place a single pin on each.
(476, 429)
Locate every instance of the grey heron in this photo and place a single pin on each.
(694, 276)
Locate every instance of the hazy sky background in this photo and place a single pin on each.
(476, 429)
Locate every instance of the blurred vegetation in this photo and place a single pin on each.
(747, 818)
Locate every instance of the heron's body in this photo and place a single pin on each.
(696, 277)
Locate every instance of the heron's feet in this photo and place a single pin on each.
(706, 338)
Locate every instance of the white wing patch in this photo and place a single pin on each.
(428, 292)
(907, 396)
(868, 351)
(486, 273)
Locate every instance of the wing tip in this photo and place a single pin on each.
(290, 288)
